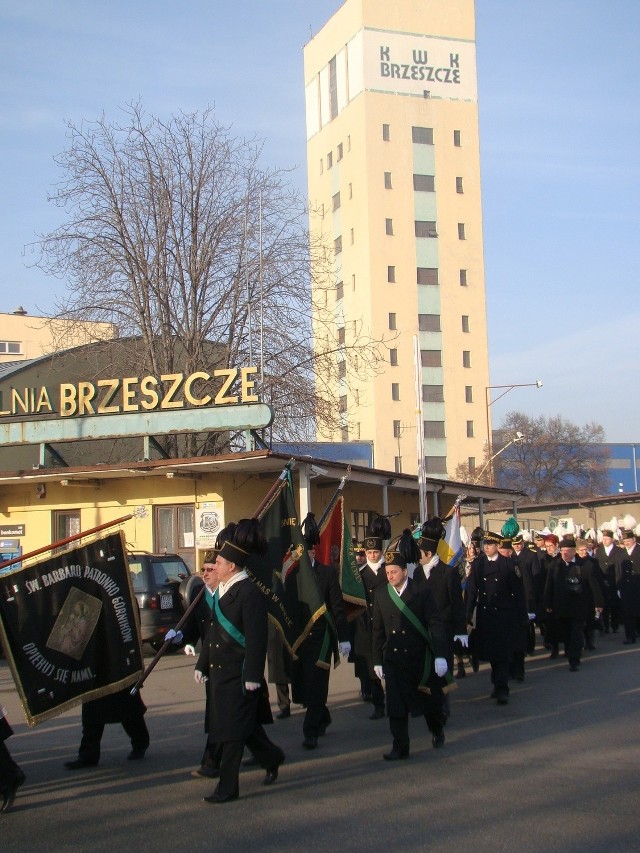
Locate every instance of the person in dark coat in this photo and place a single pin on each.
(196, 628)
(522, 641)
(569, 594)
(548, 560)
(373, 578)
(593, 616)
(628, 583)
(328, 636)
(361, 663)
(526, 559)
(232, 664)
(495, 596)
(409, 649)
(11, 776)
(607, 554)
(445, 586)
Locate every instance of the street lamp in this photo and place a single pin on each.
(518, 438)
(489, 402)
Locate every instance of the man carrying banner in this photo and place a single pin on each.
(329, 633)
(409, 648)
(232, 664)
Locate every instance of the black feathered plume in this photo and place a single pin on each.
(433, 529)
(380, 527)
(407, 547)
(310, 530)
(249, 536)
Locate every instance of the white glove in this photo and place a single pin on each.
(619, 595)
(379, 672)
(463, 638)
(531, 616)
(174, 636)
(199, 677)
(441, 666)
(189, 650)
(345, 649)
(251, 686)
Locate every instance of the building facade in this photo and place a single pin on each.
(394, 194)
(24, 336)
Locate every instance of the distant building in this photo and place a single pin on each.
(24, 336)
(394, 192)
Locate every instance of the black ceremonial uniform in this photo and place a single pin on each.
(362, 633)
(236, 716)
(446, 589)
(495, 594)
(11, 776)
(310, 674)
(608, 564)
(400, 649)
(628, 582)
(571, 592)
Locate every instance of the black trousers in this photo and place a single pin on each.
(434, 718)
(266, 752)
(9, 770)
(92, 733)
(500, 676)
(572, 633)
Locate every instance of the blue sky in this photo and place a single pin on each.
(559, 123)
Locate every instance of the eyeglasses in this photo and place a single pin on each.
(208, 569)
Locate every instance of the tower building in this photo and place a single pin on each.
(394, 191)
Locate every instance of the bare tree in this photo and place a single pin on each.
(556, 459)
(177, 235)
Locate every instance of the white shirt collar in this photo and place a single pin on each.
(402, 588)
(375, 567)
(428, 566)
(223, 587)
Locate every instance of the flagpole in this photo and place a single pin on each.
(335, 497)
(66, 541)
(163, 648)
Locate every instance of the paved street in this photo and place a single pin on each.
(556, 769)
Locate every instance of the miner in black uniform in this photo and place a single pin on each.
(328, 636)
(607, 554)
(232, 663)
(373, 578)
(570, 593)
(445, 586)
(526, 638)
(495, 595)
(628, 583)
(361, 663)
(409, 649)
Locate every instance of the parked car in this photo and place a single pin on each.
(156, 580)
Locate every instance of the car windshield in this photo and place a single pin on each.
(168, 571)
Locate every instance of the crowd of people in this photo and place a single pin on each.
(423, 619)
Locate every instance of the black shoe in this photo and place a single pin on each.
(9, 793)
(591, 647)
(252, 761)
(475, 664)
(395, 755)
(437, 740)
(136, 754)
(310, 743)
(502, 698)
(460, 671)
(271, 775)
(283, 714)
(554, 654)
(206, 772)
(574, 667)
(79, 763)
(220, 798)
(378, 713)
(628, 642)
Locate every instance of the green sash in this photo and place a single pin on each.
(424, 633)
(231, 629)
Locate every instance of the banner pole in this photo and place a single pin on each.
(66, 541)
